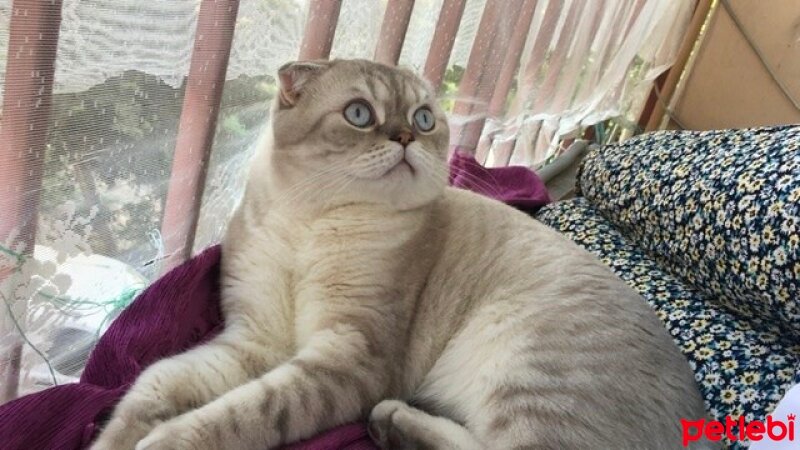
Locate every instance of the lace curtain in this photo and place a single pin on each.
(120, 81)
(584, 62)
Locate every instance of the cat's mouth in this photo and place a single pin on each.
(402, 166)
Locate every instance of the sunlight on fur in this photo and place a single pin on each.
(357, 286)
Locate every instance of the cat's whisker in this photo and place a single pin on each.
(485, 186)
(310, 180)
(480, 183)
(359, 284)
(297, 190)
(339, 172)
(336, 191)
(434, 165)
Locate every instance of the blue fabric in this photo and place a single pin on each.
(719, 209)
(742, 366)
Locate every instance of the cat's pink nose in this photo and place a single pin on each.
(404, 137)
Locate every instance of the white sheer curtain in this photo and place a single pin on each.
(118, 90)
(584, 62)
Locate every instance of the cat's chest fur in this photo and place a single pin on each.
(287, 276)
(425, 270)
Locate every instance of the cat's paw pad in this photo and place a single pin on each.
(381, 422)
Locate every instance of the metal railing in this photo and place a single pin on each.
(34, 29)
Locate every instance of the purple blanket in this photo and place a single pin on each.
(517, 186)
(179, 311)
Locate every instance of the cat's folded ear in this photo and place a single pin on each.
(294, 75)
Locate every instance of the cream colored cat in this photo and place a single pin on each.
(355, 284)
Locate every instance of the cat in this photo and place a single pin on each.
(356, 285)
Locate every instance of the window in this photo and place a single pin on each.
(126, 125)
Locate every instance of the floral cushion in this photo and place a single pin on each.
(719, 209)
(743, 367)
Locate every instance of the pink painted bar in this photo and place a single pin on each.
(393, 31)
(547, 91)
(556, 63)
(27, 102)
(213, 39)
(576, 60)
(527, 77)
(483, 69)
(584, 29)
(512, 59)
(537, 53)
(627, 16)
(323, 15)
(444, 37)
(509, 69)
(622, 11)
(637, 9)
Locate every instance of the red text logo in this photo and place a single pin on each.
(738, 430)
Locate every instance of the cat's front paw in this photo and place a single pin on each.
(132, 420)
(381, 423)
(158, 439)
(121, 434)
(177, 434)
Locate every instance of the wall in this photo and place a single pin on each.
(727, 86)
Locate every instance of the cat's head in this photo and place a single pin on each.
(355, 131)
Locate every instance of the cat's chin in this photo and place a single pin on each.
(397, 190)
(414, 195)
(402, 168)
(403, 186)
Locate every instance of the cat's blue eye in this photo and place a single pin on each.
(423, 119)
(359, 113)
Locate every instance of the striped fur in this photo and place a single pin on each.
(354, 288)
